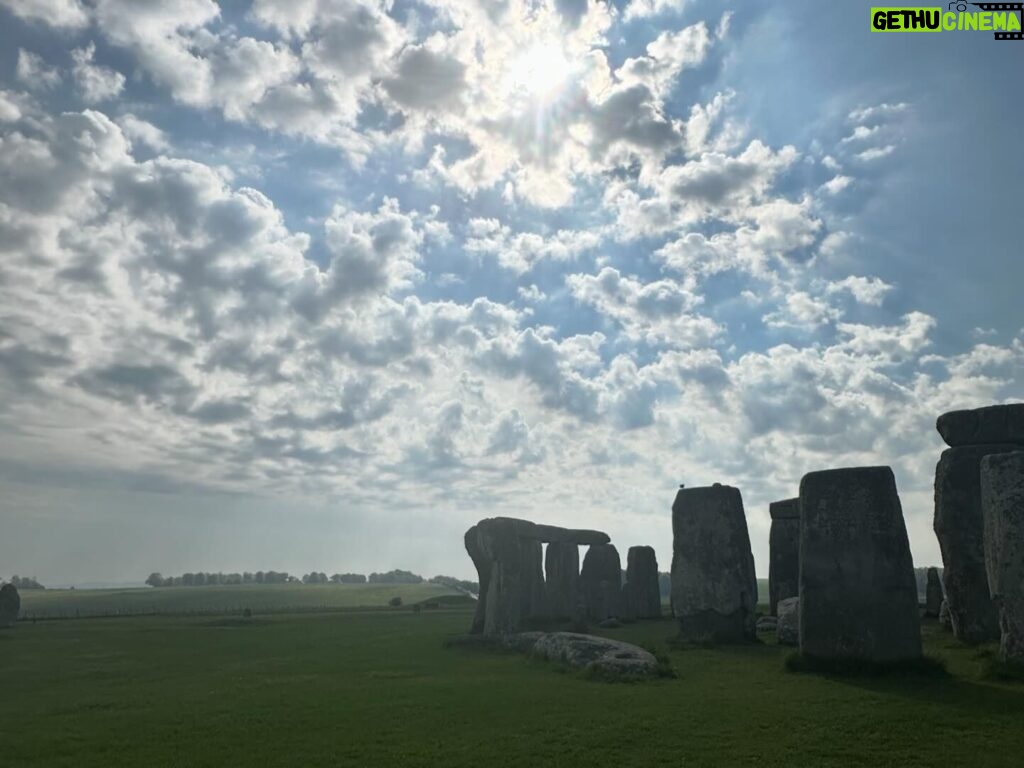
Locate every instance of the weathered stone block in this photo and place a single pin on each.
(601, 582)
(959, 527)
(982, 426)
(783, 552)
(562, 580)
(787, 630)
(858, 595)
(714, 588)
(10, 606)
(1002, 495)
(641, 598)
(933, 594)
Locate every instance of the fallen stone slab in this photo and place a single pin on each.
(597, 654)
(767, 624)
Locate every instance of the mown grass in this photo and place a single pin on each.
(260, 598)
(378, 689)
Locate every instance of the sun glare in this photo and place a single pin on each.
(541, 70)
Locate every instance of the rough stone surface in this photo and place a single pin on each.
(767, 624)
(714, 589)
(858, 594)
(506, 552)
(933, 594)
(787, 631)
(641, 598)
(601, 582)
(532, 594)
(611, 623)
(783, 552)
(959, 526)
(944, 619)
(10, 605)
(562, 582)
(599, 654)
(1002, 495)
(980, 426)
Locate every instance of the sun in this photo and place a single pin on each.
(541, 71)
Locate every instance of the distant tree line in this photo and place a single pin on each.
(25, 582)
(396, 576)
(201, 579)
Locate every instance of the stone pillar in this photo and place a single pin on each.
(858, 594)
(483, 575)
(562, 580)
(933, 594)
(10, 606)
(714, 588)
(641, 597)
(783, 552)
(533, 579)
(1002, 494)
(959, 527)
(601, 582)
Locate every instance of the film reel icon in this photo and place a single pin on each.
(1012, 7)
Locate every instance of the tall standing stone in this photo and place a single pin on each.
(933, 594)
(562, 580)
(959, 527)
(858, 594)
(783, 552)
(483, 569)
(1002, 494)
(601, 581)
(10, 605)
(641, 597)
(533, 579)
(714, 588)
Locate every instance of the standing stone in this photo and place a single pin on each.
(992, 424)
(787, 630)
(1002, 498)
(641, 598)
(601, 582)
(858, 594)
(784, 552)
(959, 527)
(933, 594)
(562, 583)
(483, 570)
(944, 619)
(10, 605)
(533, 579)
(714, 588)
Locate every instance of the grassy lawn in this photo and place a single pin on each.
(378, 689)
(261, 598)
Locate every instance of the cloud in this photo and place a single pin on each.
(57, 13)
(96, 83)
(32, 71)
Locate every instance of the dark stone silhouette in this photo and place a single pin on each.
(1002, 495)
(505, 553)
(10, 605)
(562, 582)
(959, 527)
(944, 619)
(980, 426)
(783, 552)
(533, 579)
(858, 595)
(714, 588)
(787, 630)
(641, 598)
(933, 595)
(601, 582)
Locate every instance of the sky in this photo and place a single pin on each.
(318, 284)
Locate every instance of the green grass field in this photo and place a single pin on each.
(378, 689)
(260, 598)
